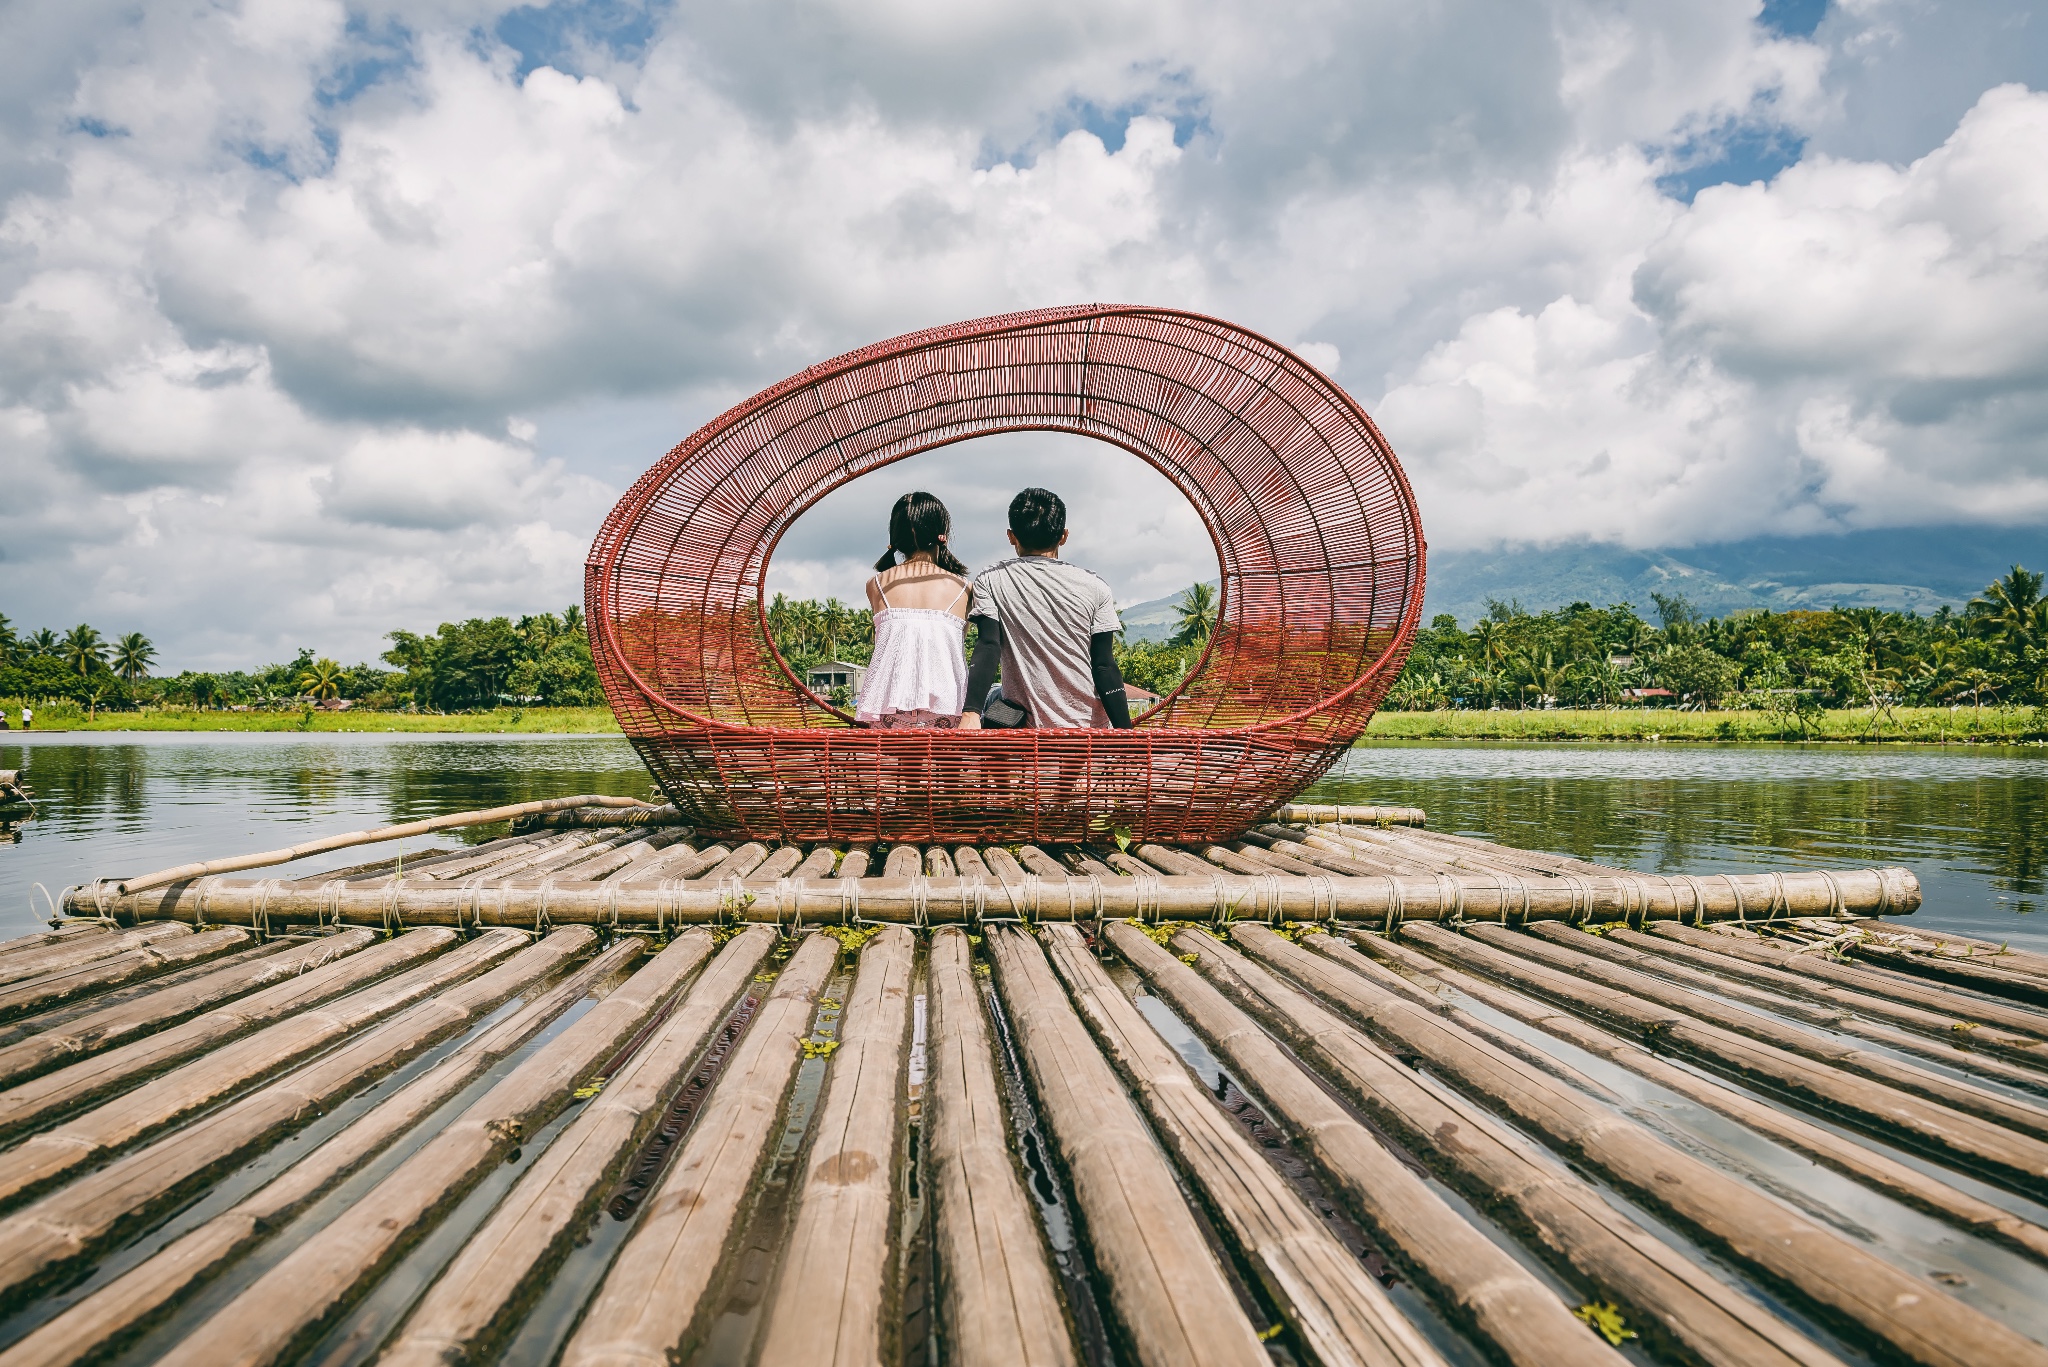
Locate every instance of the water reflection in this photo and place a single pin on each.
(1973, 823)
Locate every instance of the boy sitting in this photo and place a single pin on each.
(1050, 625)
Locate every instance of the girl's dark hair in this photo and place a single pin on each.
(919, 522)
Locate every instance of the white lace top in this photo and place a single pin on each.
(917, 675)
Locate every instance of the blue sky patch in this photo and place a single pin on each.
(550, 35)
(1793, 18)
(1734, 155)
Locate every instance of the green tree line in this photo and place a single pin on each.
(1993, 651)
(542, 659)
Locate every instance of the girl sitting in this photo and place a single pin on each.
(918, 673)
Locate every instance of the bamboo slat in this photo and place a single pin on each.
(28, 1027)
(68, 984)
(44, 1238)
(44, 939)
(44, 1157)
(1323, 1293)
(128, 1305)
(1965, 946)
(71, 953)
(996, 1287)
(1788, 968)
(103, 1074)
(282, 1311)
(1895, 1179)
(1839, 1280)
(1977, 974)
(1678, 1307)
(1603, 963)
(471, 1307)
(830, 1294)
(185, 872)
(645, 1309)
(1163, 1281)
(1964, 1141)
(1491, 1292)
(2017, 1060)
(171, 1003)
(1377, 900)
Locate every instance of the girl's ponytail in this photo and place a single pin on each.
(919, 522)
(887, 562)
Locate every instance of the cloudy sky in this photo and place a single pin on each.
(319, 319)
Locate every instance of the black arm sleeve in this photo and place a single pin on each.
(1109, 680)
(988, 658)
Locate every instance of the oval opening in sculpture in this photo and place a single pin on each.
(1316, 533)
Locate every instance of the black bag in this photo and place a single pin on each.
(999, 713)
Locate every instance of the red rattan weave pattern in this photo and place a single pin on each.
(1315, 529)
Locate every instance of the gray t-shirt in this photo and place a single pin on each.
(1048, 609)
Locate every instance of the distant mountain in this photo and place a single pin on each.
(1910, 569)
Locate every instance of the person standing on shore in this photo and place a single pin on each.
(27, 717)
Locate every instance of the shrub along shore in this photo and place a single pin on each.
(1923, 725)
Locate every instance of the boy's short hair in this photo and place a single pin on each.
(1038, 518)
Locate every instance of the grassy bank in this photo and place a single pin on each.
(526, 720)
(2011, 725)
(1919, 724)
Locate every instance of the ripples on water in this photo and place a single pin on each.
(1973, 823)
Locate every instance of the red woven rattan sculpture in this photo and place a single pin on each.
(1315, 529)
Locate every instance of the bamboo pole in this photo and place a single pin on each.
(1620, 967)
(84, 980)
(43, 1158)
(125, 1307)
(1953, 1038)
(103, 1074)
(282, 1312)
(2011, 1160)
(1377, 900)
(1838, 1280)
(830, 1294)
(1897, 1180)
(664, 814)
(1481, 1284)
(93, 949)
(1870, 984)
(1164, 1283)
(1334, 1307)
(186, 872)
(1318, 812)
(647, 1305)
(46, 1238)
(1681, 1310)
(996, 1286)
(475, 1304)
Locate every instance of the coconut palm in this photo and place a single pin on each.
(1194, 615)
(2011, 609)
(572, 620)
(41, 642)
(133, 655)
(8, 640)
(83, 647)
(321, 680)
(832, 621)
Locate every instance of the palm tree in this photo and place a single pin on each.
(1194, 615)
(133, 655)
(83, 648)
(803, 623)
(2010, 609)
(41, 642)
(832, 619)
(572, 620)
(8, 640)
(205, 690)
(321, 680)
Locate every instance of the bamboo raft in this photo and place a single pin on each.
(1345, 1090)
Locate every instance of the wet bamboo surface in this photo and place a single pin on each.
(1345, 1090)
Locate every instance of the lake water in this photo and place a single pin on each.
(1971, 822)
